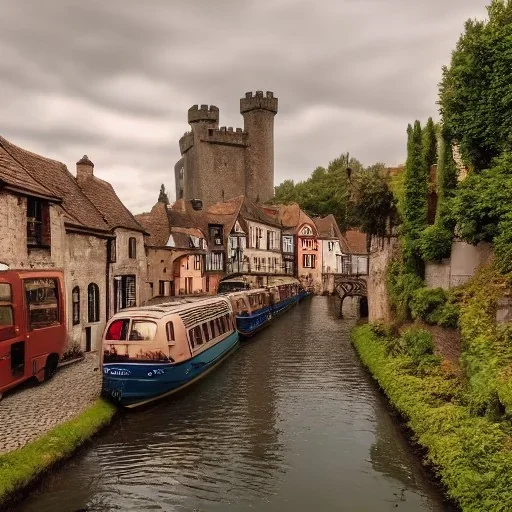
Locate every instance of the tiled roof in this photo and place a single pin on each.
(105, 199)
(54, 176)
(156, 224)
(355, 242)
(327, 227)
(14, 175)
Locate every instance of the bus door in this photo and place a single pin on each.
(12, 345)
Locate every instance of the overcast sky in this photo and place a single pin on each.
(114, 79)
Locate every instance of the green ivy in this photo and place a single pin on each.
(435, 243)
(401, 285)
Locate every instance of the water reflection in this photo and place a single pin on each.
(290, 422)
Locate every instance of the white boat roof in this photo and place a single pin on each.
(166, 308)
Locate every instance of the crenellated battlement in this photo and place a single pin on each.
(226, 135)
(186, 142)
(258, 101)
(198, 113)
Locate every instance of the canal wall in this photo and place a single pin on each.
(44, 424)
(460, 413)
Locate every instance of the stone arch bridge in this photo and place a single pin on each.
(345, 285)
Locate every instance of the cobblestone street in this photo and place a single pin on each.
(28, 413)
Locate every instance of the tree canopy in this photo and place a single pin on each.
(475, 94)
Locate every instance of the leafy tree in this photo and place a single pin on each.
(162, 197)
(430, 144)
(414, 207)
(475, 94)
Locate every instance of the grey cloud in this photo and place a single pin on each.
(114, 79)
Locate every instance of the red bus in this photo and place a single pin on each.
(32, 325)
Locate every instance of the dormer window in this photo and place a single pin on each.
(216, 235)
(306, 231)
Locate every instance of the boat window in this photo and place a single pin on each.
(195, 336)
(142, 330)
(260, 298)
(228, 322)
(42, 301)
(206, 334)
(118, 330)
(170, 331)
(212, 329)
(220, 328)
(5, 292)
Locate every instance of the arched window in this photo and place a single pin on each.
(132, 247)
(93, 296)
(75, 297)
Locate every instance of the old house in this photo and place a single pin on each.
(48, 221)
(329, 238)
(175, 251)
(300, 229)
(127, 280)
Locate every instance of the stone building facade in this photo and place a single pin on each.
(48, 221)
(239, 161)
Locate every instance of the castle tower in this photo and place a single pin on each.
(258, 112)
(198, 163)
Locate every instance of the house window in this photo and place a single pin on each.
(161, 288)
(287, 244)
(93, 301)
(197, 262)
(308, 244)
(215, 261)
(330, 246)
(113, 255)
(259, 236)
(38, 223)
(216, 234)
(75, 295)
(309, 260)
(124, 292)
(132, 248)
(306, 230)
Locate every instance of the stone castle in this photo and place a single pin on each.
(219, 164)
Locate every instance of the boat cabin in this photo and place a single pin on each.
(170, 332)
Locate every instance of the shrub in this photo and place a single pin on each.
(416, 343)
(401, 286)
(426, 304)
(435, 243)
(448, 315)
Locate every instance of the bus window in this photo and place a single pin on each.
(5, 292)
(118, 330)
(142, 330)
(42, 302)
(170, 331)
(6, 323)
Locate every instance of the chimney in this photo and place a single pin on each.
(84, 168)
(197, 204)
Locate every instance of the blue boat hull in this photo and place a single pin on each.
(131, 384)
(248, 325)
(284, 305)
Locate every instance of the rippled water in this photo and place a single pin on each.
(291, 421)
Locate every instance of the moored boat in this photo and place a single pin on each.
(252, 310)
(154, 351)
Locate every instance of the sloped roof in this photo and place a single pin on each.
(327, 227)
(355, 242)
(156, 225)
(105, 199)
(43, 174)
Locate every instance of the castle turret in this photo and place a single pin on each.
(203, 114)
(258, 112)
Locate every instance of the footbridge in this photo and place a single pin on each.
(346, 285)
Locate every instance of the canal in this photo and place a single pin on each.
(291, 421)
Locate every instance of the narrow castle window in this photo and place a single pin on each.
(76, 305)
(132, 248)
(93, 300)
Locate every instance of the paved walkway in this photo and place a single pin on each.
(27, 413)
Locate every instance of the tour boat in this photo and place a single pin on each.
(252, 310)
(155, 351)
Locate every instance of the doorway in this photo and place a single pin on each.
(88, 339)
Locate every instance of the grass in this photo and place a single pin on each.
(472, 455)
(20, 467)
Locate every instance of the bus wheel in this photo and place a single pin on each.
(51, 366)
